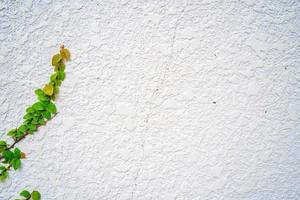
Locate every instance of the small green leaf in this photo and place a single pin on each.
(22, 128)
(38, 106)
(30, 110)
(8, 155)
(51, 108)
(34, 122)
(45, 104)
(58, 82)
(56, 59)
(25, 194)
(3, 145)
(62, 66)
(41, 122)
(37, 114)
(3, 175)
(46, 115)
(53, 77)
(32, 127)
(56, 90)
(12, 132)
(39, 92)
(61, 75)
(28, 116)
(16, 163)
(17, 153)
(35, 195)
(43, 98)
(27, 121)
(19, 134)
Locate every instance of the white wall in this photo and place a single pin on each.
(136, 114)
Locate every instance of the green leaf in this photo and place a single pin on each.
(62, 66)
(38, 106)
(41, 122)
(17, 153)
(43, 98)
(3, 175)
(37, 114)
(8, 155)
(61, 75)
(58, 82)
(56, 59)
(45, 104)
(27, 121)
(35, 195)
(51, 108)
(25, 194)
(3, 145)
(16, 163)
(19, 134)
(39, 92)
(22, 128)
(56, 90)
(30, 110)
(46, 115)
(12, 132)
(28, 116)
(32, 127)
(42, 95)
(35, 122)
(53, 77)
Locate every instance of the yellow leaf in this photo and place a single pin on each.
(65, 53)
(23, 155)
(55, 59)
(48, 89)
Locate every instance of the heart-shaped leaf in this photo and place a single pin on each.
(56, 59)
(65, 53)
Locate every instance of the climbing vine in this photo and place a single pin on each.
(38, 114)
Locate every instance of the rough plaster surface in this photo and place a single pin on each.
(163, 100)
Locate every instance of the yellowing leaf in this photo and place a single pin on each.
(56, 59)
(48, 89)
(23, 155)
(65, 53)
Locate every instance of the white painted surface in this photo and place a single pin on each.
(136, 114)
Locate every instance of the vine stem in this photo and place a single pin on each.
(23, 137)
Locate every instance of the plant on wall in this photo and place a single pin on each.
(38, 114)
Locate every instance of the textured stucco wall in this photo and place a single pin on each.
(137, 118)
